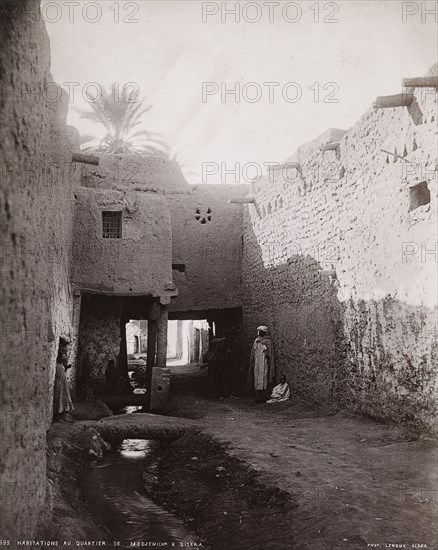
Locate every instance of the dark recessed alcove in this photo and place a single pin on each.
(419, 195)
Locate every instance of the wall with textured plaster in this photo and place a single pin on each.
(101, 368)
(206, 228)
(140, 262)
(36, 216)
(343, 270)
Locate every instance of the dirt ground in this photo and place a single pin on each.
(353, 482)
(253, 476)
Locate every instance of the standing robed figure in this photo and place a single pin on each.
(261, 372)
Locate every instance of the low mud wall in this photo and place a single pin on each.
(141, 426)
(64, 516)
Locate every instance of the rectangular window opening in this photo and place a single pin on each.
(112, 225)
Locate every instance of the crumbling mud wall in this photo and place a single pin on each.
(36, 231)
(101, 367)
(341, 264)
(65, 516)
(206, 229)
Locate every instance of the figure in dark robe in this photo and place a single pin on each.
(215, 359)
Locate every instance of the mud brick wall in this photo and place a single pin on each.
(342, 266)
(207, 238)
(140, 262)
(206, 229)
(36, 229)
(100, 368)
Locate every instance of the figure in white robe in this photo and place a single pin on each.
(281, 392)
(62, 401)
(261, 369)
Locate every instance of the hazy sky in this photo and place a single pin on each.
(167, 51)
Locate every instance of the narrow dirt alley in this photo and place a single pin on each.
(245, 475)
(353, 482)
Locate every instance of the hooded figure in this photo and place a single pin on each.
(261, 364)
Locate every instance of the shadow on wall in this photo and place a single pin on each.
(299, 304)
(374, 357)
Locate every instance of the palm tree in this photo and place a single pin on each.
(120, 116)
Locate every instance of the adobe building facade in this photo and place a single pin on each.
(336, 251)
(165, 249)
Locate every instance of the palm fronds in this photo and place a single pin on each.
(120, 116)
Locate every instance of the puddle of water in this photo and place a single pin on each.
(136, 449)
(129, 409)
(114, 492)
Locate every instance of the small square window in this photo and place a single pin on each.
(419, 195)
(112, 225)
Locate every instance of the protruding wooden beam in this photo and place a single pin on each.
(331, 146)
(246, 200)
(85, 159)
(242, 200)
(284, 166)
(421, 82)
(179, 266)
(398, 100)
